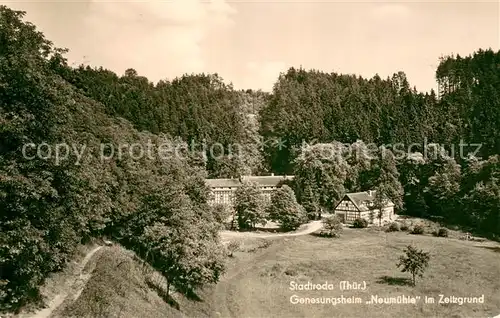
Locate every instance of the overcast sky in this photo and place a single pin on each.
(249, 43)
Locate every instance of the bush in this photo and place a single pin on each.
(329, 233)
(232, 247)
(332, 227)
(360, 223)
(442, 232)
(404, 227)
(417, 229)
(393, 227)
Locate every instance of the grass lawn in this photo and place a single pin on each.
(257, 283)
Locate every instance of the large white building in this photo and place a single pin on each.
(223, 189)
(361, 205)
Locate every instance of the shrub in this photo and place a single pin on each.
(232, 247)
(404, 227)
(360, 223)
(332, 227)
(291, 272)
(418, 229)
(442, 232)
(393, 227)
(329, 233)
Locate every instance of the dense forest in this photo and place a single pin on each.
(158, 207)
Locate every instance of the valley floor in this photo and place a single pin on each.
(258, 278)
(258, 284)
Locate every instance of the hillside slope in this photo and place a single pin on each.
(118, 286)
(258, 278)
(108, 180)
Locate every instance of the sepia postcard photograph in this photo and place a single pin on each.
(249, 159)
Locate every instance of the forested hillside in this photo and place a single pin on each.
(152, 205)
(442, 150)
(200, 109)
(157, 205)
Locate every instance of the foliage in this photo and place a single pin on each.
(309, 199)
(309, 106)
(40, 219)
(50, 207)
(285, 210)
(332, 227)
(313, 107)
(360, 223)
(312, 125)
(393, 227)
(232, 247)
(469, 100)
(386, 182)
(414, 262)
(320, 173)
(221, 213)
(404, 227)
(418, 229)
(249, 206)
(199, 108)
(442, 232)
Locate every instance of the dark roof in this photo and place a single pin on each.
(264, 181)
(222, 183)
(267, 181)
(359, 199)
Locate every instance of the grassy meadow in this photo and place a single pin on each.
(258, 284)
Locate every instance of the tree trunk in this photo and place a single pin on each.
(413, 280)
(168, 288)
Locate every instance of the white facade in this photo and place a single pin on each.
(360, 205)
(223, 190)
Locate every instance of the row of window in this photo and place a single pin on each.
(230, 188)
(229, 197)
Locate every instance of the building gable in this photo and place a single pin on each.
(346, 204)
(363, 201)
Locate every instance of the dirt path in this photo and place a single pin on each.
(308, 228)
(224, 288)
(77, 283)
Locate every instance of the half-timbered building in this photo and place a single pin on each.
(361, 205)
